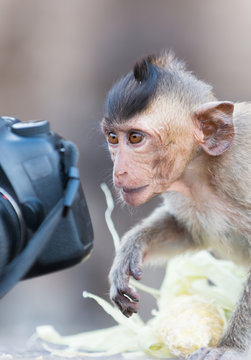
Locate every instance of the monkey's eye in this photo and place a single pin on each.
(112, 138)
(135, 137)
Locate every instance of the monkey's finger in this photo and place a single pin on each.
(128, 313)
(130, 294)
(125, 305)
(127, 297)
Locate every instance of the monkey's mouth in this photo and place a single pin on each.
(135, 196)
(126, 190)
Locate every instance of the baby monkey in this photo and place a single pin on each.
(168, 134)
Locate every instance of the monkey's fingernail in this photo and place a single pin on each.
(131, 298)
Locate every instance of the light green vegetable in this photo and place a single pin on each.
(193, 274)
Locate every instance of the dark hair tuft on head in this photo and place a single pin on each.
(132, 94)
(141, 70)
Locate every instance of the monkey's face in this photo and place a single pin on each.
(147, 155)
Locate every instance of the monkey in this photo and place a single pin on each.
(169, 136)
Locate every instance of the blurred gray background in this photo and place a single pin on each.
(58, 58)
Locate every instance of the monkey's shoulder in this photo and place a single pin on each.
(213, 223)
(199, 210)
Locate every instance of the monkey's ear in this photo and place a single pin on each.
(214, 128)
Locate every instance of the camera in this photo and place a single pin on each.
(44, 219)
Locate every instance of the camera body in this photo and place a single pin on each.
(36, 167)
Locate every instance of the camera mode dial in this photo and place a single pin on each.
(31, 128)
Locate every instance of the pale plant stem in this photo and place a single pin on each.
(108, 215)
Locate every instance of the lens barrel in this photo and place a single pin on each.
(10, 229)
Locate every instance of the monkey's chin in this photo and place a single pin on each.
(135, 196)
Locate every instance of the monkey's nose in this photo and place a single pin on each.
(118, 178)
(119, 173)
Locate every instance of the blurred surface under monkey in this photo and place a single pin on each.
(168, 134)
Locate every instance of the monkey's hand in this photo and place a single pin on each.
(128, 262)
(217, 354)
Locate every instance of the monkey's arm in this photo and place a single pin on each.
(238, 333)
(158, 234)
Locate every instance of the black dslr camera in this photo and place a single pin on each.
(44, 219)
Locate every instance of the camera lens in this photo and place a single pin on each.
(11, 228)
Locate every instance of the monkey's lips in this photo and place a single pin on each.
(133, 196)
(126, 190)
